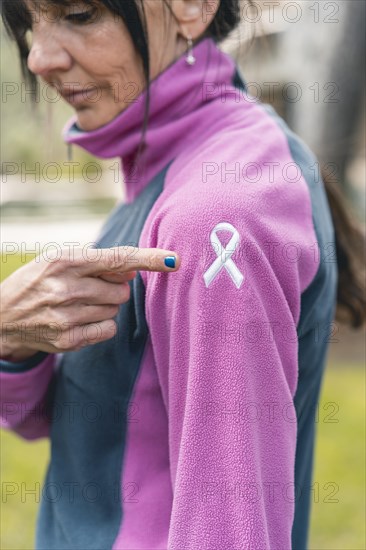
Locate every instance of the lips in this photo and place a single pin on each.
(78, 96)
(75, 98)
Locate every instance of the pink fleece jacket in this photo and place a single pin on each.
(213, 450)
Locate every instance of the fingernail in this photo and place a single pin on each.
(170, 261)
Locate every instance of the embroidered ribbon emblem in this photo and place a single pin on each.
(223, 259)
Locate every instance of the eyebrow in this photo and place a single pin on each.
(47, 5)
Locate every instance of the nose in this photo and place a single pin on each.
(48, 54)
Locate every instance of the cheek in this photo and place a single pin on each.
(119, 75)
(113, 57)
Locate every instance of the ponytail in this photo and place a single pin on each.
(350, 244)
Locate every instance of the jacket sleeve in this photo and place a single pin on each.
(223, 331)
(24, 391)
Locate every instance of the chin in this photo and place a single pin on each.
(89, 119)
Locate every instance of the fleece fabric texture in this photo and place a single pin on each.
(221, 356)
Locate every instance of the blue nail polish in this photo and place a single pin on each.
(170, 261)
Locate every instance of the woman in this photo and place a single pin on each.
(190, 422)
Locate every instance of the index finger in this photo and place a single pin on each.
(122, 259)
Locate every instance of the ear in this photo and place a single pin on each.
(194, 16)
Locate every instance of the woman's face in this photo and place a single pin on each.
(86, 51)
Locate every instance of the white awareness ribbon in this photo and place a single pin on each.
(223, 259)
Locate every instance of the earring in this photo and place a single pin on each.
(190, 59)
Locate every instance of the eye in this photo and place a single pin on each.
(81, 17)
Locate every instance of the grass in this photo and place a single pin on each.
(340, 462)
(339, 473)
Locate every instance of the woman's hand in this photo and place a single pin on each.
(67, 302)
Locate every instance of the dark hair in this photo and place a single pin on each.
(349, 238)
